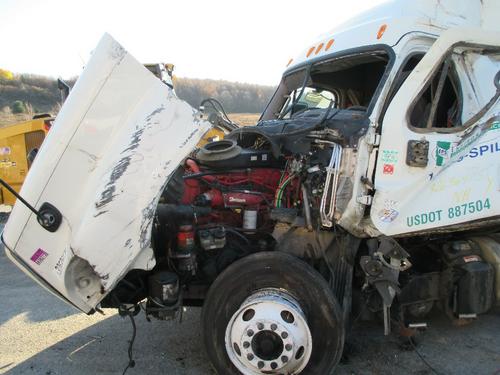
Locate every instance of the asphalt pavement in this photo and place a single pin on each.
(39, 334)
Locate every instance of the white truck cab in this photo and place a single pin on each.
(370, 185)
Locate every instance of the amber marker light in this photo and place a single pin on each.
(329, 44)
(319, 48)
(311, 50)
(381, 31)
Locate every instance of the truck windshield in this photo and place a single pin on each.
(347, 82)
(309, 98)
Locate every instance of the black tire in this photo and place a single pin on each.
(274, 270)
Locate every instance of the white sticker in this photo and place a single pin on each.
(60, 263)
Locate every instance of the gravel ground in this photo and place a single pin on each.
(41, 335)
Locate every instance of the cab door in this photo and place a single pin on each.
(438, 163)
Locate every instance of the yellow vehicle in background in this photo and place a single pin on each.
(19, 144)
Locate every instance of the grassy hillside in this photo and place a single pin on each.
(38, 94)
(23, 95)
(10, 118)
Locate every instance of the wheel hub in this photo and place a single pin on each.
(269, 334)
(267, 345)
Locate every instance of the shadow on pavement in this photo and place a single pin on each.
(160, 348)
(173, 348)
(20, 294)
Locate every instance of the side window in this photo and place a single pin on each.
(403, 73)
(439, 105)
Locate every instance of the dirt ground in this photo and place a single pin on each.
(244, 119)
(41, 335)
(9, 118)
(240, 118)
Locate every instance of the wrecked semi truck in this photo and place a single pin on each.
(369, 187)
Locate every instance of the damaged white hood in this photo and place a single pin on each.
(118, 138)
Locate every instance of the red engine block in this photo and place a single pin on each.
(253, 188)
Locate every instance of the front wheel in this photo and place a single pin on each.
(271, 313)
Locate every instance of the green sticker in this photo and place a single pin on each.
(495, 125)
(389, 156)
(442, 152)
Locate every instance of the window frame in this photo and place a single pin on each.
(454, 78)
(391, 55)
(447, 55)
(394, 87)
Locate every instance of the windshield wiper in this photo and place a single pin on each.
(304, 83)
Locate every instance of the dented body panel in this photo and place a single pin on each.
(460, 182)
(407, 28)
(110, 152)
(374, 167)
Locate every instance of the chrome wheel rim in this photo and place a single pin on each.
(269, 334)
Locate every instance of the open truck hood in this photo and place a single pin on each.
(117, 139)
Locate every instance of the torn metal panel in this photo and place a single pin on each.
(110, 152)
(458, 187)
(469, 140)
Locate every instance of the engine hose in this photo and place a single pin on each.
(194, 167)
(281, 189)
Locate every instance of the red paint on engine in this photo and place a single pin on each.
(252, 188)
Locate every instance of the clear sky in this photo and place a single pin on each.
(245, 41)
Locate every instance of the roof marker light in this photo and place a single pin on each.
(289, 62)
(310, 51)
(381, 31)
(318, 49)
(329, 44)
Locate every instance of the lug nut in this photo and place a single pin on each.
(260, 326)
(249, 356)
(288, 347)
(260, 364)
(284, 359)
(284, 335)
(246, 344)
(250, 333)
(274, 365)
(274, 327)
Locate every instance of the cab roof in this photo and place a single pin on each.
(389, 22)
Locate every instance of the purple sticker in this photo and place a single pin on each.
(39, 256)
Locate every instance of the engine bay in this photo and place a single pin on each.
(248, 193)
(282, 186)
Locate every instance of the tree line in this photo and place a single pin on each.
(235, 97)
(38, 94)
